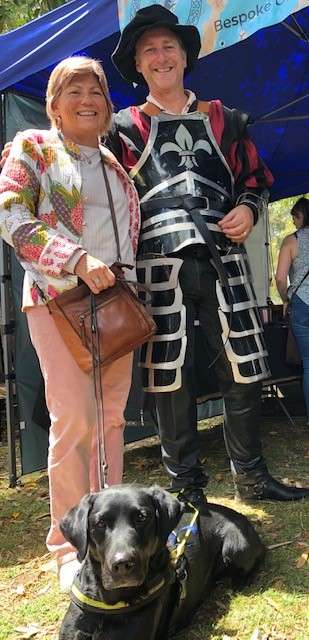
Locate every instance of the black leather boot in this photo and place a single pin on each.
(262, 486)
(177, 427)
(243, 442)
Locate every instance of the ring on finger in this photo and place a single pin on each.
(97, 281)
(244, 233)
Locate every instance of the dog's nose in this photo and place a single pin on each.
(122, 567)
(122, 563)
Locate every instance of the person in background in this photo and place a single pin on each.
(293, 273)
(54, 212)
(194, 159)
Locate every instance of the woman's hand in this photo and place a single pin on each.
(238, 223)
(285, 310)
(95, 273)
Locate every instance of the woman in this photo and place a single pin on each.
(293, 263)
(54, 212)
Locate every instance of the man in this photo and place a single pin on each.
(202, 187)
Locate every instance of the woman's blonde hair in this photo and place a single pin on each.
(64, 72)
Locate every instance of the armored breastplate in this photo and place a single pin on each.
(180, 159)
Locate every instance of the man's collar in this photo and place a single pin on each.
(191, 98)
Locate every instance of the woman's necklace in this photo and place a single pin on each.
(68, 143)
(88, 159)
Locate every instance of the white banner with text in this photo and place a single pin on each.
(221, 23)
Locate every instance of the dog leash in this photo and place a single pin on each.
(96, 361)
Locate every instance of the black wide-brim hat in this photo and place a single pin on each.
(149, 18)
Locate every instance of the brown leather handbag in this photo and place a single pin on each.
(103, 326)
(100, 328)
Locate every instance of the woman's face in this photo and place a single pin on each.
(82, 109)
(297, 218)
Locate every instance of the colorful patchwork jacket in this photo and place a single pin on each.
(41, 210)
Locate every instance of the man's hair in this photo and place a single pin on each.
(302, 206)
(62, 75)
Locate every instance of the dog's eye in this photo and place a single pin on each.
(142, 517)
(101, 524)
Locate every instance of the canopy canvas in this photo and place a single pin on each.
(265, 74)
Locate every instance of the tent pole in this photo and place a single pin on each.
(7, 328)
(267, 247)
(2, 120)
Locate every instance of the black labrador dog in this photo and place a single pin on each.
(147, 562)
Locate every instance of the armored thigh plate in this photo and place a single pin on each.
(243, 336)
(163, 356)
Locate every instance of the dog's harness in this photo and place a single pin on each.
(179, 540)
(176, 571)
(90, 602)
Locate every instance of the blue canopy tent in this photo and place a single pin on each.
(266, 74)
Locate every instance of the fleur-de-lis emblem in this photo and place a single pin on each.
(185, 147)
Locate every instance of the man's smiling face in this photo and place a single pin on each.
(161, 60)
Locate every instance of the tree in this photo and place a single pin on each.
(15, 13)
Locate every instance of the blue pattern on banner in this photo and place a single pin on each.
(221, 23)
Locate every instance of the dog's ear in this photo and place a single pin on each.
(168, 511)
(74, 525)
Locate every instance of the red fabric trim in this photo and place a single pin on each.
(141, 122)
(216, 120)
(128, 159)
(234, 161)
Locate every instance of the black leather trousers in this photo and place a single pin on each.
(177, 412)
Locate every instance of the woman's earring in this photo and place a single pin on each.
(58, 122)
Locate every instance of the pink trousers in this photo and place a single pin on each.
(73, 452)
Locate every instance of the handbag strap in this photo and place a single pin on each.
(301, 282)
(96, 363)
(112, 209)
(287, 314)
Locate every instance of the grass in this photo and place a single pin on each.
(275, 607)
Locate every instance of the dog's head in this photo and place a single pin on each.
(122, 528)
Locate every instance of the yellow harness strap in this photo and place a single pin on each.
(179, 549)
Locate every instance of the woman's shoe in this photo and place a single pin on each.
(67, 572)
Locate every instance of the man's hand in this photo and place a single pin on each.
(5, 153)
(95, 273)
(238, 223)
